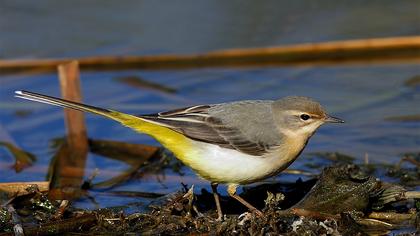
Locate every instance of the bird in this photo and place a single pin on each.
(233, 143)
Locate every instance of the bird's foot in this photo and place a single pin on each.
(232, 192)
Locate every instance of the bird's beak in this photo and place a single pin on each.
(330, 119)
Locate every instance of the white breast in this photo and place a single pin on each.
(223, 165)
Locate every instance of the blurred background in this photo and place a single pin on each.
(380, 102)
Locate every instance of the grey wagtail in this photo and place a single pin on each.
(231, 143)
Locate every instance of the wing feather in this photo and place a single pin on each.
(196, 123)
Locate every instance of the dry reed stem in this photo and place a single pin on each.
(376, 50)
(68, 170)
(19, 188)
(75, 121)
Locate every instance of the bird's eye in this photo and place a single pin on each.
(305, 117)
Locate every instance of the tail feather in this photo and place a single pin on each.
(174, 141)
(120, 117)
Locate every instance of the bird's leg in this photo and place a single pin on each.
(231, 189)
(217, 200)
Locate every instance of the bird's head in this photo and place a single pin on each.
(300, 116)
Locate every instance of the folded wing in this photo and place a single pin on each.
(197, 123)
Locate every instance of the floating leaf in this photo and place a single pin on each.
(405, 118)
(413, 81)
(126, 175)
(130, 153)
(138, 82)
(23, 159)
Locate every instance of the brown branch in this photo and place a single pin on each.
(364, 51)
(75, 120)
(19, 188)
(69, 162)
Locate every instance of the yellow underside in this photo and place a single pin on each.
(172, 140)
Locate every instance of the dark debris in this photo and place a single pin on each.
(339, 202)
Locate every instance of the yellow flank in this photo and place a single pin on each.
(173, 141)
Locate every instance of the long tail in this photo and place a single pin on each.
(117, 116)
(171, 139)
